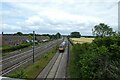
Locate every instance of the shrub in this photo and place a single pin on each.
(13, 48)
(96, 60)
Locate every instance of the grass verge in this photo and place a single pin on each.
(32, 71)
(71, 63)
(19, 50)
(3, 53)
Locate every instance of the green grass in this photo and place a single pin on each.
(4, 47)
(97, 60)
(21, 49)
(14, 48)
(71, 64)
(32, 71)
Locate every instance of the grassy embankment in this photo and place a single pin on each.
(6, 50)
(97, 60)
(75, 41)
(32, 71)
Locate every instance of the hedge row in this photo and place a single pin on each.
(13, 48)
(98, 60)
(70, 42)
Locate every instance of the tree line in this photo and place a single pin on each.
(51, 36)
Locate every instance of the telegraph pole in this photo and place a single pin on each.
(33, 45)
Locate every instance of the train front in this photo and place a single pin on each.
(62, 47)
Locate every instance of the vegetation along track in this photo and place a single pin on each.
(56, 68)
(12, 63)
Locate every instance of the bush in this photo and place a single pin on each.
(19, 74)
(13, 48)
(96, 60)
(106, 41)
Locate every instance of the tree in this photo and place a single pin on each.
(75, 35)
(52, 36)
(19, 33)
(102, 30)
(58, 35)
(45, 35)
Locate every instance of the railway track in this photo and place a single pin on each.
(14, 62)
(56, 68)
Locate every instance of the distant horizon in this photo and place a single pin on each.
(64, 16)
(44, 33)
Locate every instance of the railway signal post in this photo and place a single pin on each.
(33, 45)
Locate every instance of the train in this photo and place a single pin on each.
(62, 46)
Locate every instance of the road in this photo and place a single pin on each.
(13, 62)
(57, 67)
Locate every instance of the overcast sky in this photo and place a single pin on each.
(52, 16)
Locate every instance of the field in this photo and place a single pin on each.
(82, 40)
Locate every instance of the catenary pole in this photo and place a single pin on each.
(33, 45)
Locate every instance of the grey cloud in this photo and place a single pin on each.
(100, 11)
